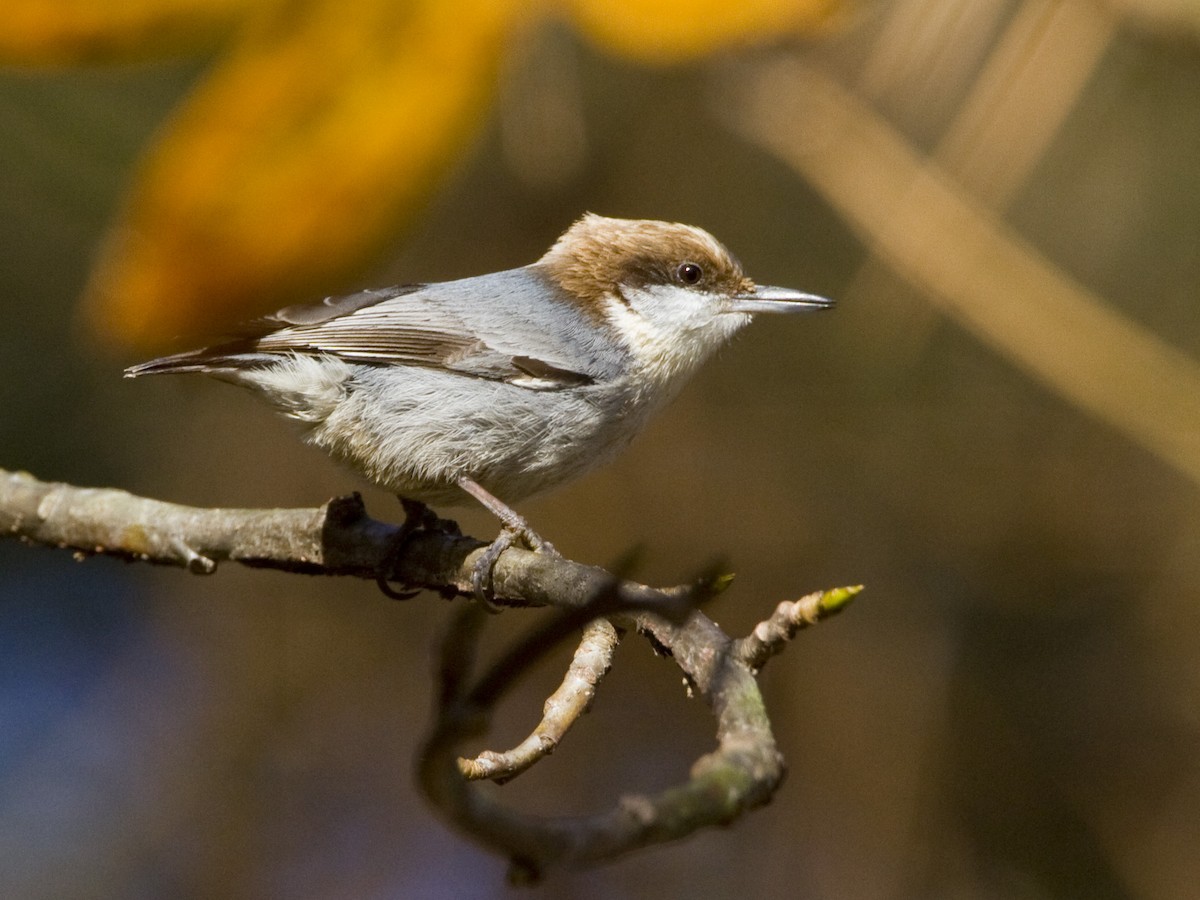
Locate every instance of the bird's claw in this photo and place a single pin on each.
(417, 518)
(485, 566)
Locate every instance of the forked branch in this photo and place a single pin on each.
(339, 538)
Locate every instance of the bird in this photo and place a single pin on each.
(505, 385)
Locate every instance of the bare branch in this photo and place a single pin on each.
(771, 635)
(338, 538)
(341, 539)
(563, 708)
(740, 775)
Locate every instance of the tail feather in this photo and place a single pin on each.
(210, 361)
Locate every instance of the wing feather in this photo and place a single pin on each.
(455, 326)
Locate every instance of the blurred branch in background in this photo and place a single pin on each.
(935, 221)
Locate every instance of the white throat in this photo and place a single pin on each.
(671, 331)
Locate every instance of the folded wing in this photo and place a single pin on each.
(510, 327)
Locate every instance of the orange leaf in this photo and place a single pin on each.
(64, 32)
(669, 31)
(294, 160)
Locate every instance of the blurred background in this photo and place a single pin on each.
(995, 432)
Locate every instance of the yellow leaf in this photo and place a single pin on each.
(64, 32)
(295, 159)
(669, 31)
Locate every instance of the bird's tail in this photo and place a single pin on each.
(209, 361)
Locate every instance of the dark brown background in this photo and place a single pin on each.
(1009, 710)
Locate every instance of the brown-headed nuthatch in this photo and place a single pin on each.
(507, 384)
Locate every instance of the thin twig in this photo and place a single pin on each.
(740, 775)
(770, 636)
(562, 709)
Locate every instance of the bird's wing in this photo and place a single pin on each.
(401, 325)
(503, 327)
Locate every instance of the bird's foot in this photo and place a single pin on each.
(417, 518)
(514, 529)
(511, 535)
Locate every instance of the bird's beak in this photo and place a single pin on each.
(777, 299)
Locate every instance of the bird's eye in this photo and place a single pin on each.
(689, 273)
